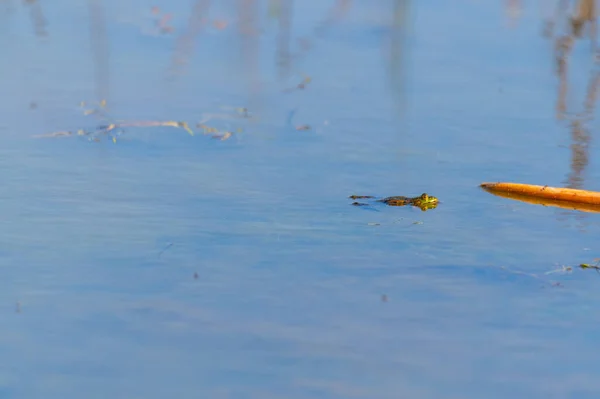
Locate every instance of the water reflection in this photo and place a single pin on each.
(283, 11)
(7, 8)
(514, 9)
(168, 254)
(37, 17)
(248, 30)
(334, 16)
(100, 49)
(185, 43)
(575, 22)
(397, 49)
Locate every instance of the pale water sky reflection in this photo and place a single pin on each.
(167, 265)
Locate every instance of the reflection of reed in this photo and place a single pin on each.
(397, 48)
(285, 18)
(248, 30)
(100, 51)
(249, 42)
(184, 46)
(562, 49)
(592, 93)
(335, 15)
(37, 17)
(513, 9)
(579, 154)
(584, 16)
(550, 20)
(581, 16)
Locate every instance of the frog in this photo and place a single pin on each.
(423, 201)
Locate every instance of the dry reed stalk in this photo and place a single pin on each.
(544, 195)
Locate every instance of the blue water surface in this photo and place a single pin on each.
(169, 265)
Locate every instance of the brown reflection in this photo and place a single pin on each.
(513, 10)
(334, 16)
(577, 20)
(397, 49)
(184, 45)
(585, 16)
(553, 15)
(100, 50)
(283, 10)
(249, 41)
(37, 17)
(579, 154)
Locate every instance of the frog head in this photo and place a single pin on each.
(425, 199)
(425, 202)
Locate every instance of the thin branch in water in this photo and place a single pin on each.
(169, 245)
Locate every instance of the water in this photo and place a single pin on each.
(171, 265)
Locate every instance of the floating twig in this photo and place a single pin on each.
(169, 245)
(223, 136)
(114, 127)
(63, 133)
(180, 124)
(300, 86)
(569, 198)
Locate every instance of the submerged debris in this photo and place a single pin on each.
(216, 133)
(169, 245)
(243, 112)
(54, 134)
(114, 128)
(161, 23)
(536, 276)
(219, 24)
(595, 266)
(178, 124)
(101, 106)
(561, 270)
(223, 136)
(300, 86)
